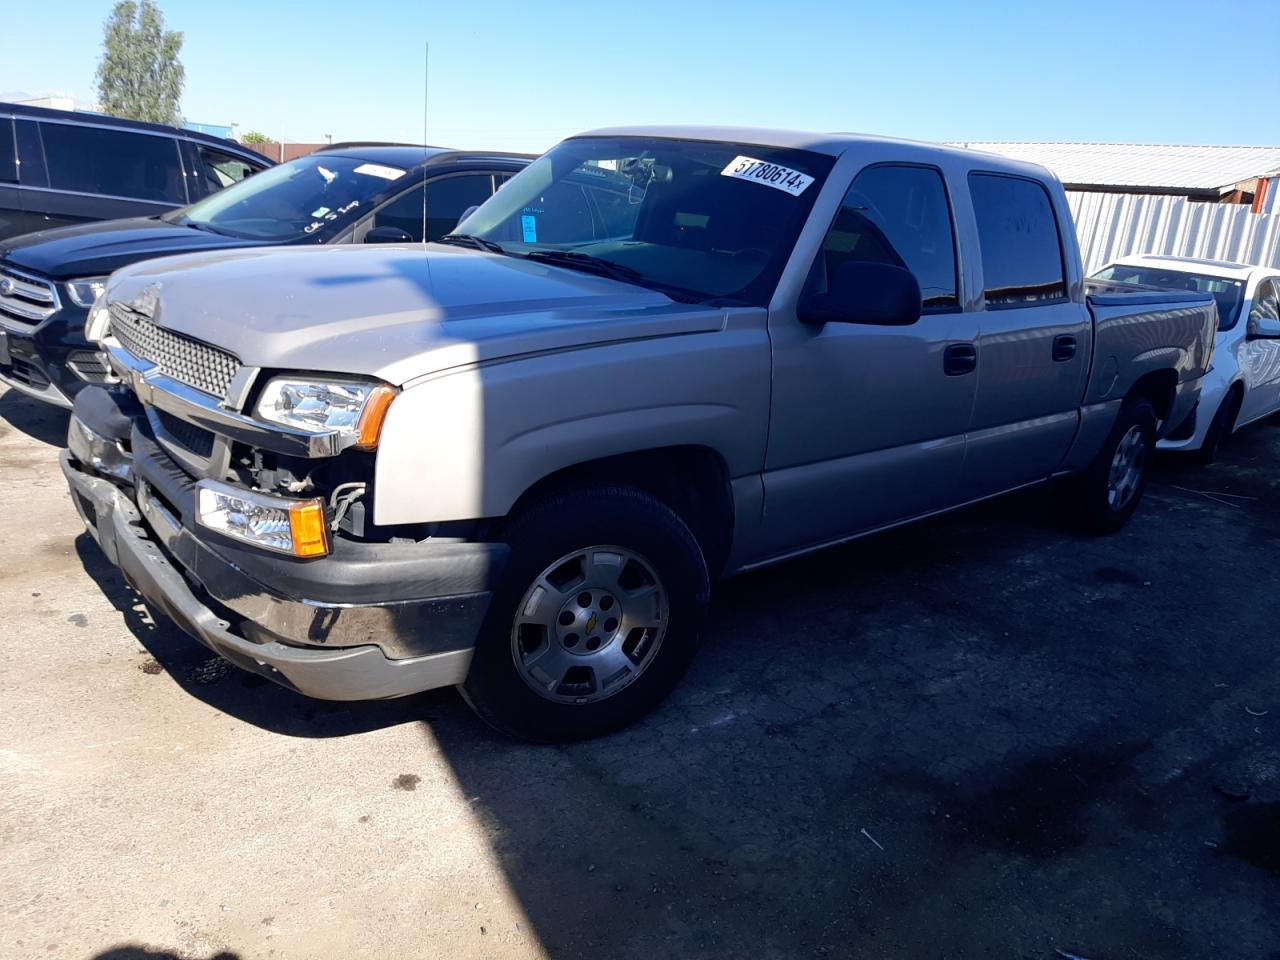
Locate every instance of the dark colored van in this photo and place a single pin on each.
(59, 167)
(347, 193)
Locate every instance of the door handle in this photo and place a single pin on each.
(1064, 348)
(959, 359)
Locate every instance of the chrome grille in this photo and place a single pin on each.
(186, 360)
(26, 299)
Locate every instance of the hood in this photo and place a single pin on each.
(96, 249)
(390, 311)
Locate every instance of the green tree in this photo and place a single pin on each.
(253, 136)
(139, 76)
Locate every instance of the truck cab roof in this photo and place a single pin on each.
(833, 144)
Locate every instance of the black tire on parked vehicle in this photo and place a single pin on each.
(1104, 496)
(595, 619)
(1224, 419)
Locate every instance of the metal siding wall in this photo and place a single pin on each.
(1112, 225)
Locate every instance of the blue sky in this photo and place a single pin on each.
(522, 75)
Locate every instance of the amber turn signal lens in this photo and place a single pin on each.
(375, 411)
(309, 533)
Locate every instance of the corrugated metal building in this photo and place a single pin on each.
(1176, 199)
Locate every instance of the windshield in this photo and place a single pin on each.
(1229, 293)
(698, 220)
(310, 195)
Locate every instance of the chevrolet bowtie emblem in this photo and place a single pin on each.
(591, 624)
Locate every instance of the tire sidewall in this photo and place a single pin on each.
(1094, 508)
(561, 525)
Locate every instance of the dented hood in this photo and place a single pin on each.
(393, 312)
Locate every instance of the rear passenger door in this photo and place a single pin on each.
(103, 173)
(1033, 349)
(868, 422)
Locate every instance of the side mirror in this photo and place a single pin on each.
(387, 235)
(469, 211)
(1262, 327)
(862, 292)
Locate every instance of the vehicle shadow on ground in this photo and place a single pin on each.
(243, 695)
(129, 951)
(38, 420)
(981, 736)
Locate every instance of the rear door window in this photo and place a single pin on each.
(8, 152)
(114, 163)
(1018, 233)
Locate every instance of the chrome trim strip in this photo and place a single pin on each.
(197, 407)
(109, 196)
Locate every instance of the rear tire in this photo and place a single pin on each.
(595, 619)
(1103, 497)
(1223, 424)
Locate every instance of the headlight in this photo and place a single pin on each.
(352, 410)
(84, 292)
(98, 323)
(296, 527)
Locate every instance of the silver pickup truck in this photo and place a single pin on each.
(516, 461)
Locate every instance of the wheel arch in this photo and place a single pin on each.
(1159, 387)
(691, 479)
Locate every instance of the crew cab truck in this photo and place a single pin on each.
(516, 460)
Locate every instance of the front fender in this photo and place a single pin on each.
(467, 444)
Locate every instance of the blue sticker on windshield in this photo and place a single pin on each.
(530, 227)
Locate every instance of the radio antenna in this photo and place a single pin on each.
(426, 72)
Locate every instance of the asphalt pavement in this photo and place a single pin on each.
(982, 736)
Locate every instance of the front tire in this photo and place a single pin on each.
(595, 619)
(1105, 495)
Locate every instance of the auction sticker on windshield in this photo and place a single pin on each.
(770, 174)
(379, 170)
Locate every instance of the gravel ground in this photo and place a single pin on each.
(978, 737)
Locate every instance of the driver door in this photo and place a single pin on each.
(868, 422)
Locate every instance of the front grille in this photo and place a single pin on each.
(90, 366)
(27, 374)
(186, 360)
(26, 299)
(195, 440)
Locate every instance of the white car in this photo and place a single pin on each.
(1243, 384)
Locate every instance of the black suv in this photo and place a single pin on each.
(59, 167)
(347, 193)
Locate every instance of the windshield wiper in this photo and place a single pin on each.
(467, 240)
(586, 262)
(197, 225)
(617, 271)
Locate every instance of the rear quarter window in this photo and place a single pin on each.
(116, 163)
(1018, 233)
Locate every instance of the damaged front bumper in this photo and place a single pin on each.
(371, 622)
